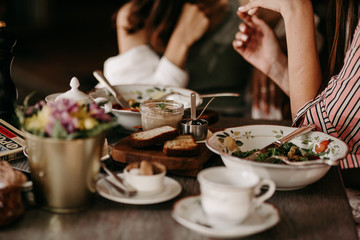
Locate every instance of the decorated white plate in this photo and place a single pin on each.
(286, 177)
(172, 189)
(189, 213)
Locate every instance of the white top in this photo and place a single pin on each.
(74, 93)
(142, 65)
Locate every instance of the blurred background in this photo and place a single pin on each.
(59, 39)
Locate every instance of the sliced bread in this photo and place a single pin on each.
(152, 137)
(183, 145)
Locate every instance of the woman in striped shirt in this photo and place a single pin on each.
(333, 104)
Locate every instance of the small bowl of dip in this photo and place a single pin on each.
(146, 176)
(158, 113)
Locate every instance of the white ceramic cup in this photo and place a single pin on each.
(146, 184)
(230, 196)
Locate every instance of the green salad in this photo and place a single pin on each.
(289, 150)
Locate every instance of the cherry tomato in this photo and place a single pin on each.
(322, 146)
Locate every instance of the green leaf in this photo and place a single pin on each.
(58, 131)
(311, 146)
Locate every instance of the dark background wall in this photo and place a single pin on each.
(59, 39)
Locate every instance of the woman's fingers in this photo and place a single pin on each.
(242, 37)
(244, 16)
(237, 45)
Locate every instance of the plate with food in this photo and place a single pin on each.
(235, 145)
(136, 94)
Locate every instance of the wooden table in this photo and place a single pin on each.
(318, 211)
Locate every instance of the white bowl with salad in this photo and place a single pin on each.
(235, 144)
(130, 119)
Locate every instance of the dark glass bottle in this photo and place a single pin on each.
(8, 92)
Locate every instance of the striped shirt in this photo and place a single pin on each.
(336, 111)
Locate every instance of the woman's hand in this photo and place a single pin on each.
(257, 43)
(304, 73)
(191, 26)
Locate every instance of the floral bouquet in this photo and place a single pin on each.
(65, 119)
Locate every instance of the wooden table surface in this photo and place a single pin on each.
(318, 211)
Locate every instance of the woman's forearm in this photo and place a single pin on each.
(176, 52)
(279, 74)
(185, 36)
(303, 62)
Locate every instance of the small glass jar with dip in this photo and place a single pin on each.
(157, 113)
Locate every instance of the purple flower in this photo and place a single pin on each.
(66, 116)
(98, 113)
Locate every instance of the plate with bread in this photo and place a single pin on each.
(181, 154)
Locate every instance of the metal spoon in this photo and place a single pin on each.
(165, 96)
(118, 98)
(122, 186)
(193, 106)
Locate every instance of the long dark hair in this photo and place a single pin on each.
(157, 17)
(343, 17)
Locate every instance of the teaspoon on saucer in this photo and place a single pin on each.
(123, 187)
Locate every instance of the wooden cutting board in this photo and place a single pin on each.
(123, 152)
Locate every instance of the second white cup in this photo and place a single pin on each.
(230, 196)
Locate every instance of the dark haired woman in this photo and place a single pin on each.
(183, 43)
(333, 104)
(158, 34)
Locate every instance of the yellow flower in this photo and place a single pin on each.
(90, 123)
(39, 121)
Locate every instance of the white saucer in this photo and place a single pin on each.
(188, 212)
(171, 189)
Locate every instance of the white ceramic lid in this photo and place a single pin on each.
(74, 93)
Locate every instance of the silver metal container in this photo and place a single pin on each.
(64, 172)
(197, 128)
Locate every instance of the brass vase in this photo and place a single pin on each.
(64, 172)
